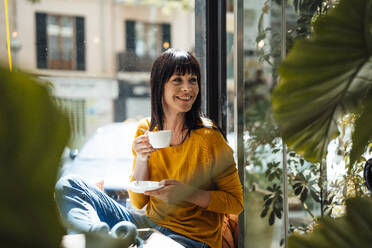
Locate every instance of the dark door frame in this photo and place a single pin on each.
(210, 49)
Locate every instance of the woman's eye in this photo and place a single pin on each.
(177, 80)
(193, 80)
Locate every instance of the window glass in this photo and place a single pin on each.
(153, 40)
(67, 33)
(98, 53)
(148, 39)
(60, 42)
(263, 146)
(140, 39)
(53, 31)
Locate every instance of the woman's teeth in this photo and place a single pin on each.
(184, 98)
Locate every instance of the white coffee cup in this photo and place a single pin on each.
(160, 139)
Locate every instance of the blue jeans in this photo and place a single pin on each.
(82, 206)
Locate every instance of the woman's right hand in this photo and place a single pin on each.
(142, 147)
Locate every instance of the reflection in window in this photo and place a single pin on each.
(60, 42)
(144, 41)
(147, 39)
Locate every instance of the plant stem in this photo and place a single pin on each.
(323, 185)
(308, 210)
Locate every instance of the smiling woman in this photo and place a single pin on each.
(197, 171)
(197, 176)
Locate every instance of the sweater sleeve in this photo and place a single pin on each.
(138, 200)
(228, 197)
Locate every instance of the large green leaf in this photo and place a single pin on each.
(325, 77)
(33, 134)
(350, 231)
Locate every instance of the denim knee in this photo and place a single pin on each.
(67, 182)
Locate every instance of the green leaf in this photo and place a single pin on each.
(33, 134)
(298, 190)
(362, 134)
(302, 161)
(267, 196)
(303, 196)
(264, 212)
(278, 213)
(296, 185)
(350, 231)
(272, 218)
(271, 177)
(324, 78)
(275, 151)
(315, 196)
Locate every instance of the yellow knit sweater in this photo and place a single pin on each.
(203, 160)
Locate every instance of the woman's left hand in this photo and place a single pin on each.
(175, 191)
(172, 192)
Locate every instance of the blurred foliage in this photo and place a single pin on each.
(167, 6)
(352, 230)
(304, 177)
(307, 11)
(322, 45)
(275, 200)
(259, 119)
(326, 77)
(305, 183)
(33, 134)
(351, 183)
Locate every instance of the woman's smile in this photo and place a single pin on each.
(184, 98)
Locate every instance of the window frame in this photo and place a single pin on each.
(165, 35)
(78, 62)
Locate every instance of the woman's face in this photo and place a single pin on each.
(180, 92)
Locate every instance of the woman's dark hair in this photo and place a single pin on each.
(173, 61)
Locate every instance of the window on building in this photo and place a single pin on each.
(147, 39)
(60, 42)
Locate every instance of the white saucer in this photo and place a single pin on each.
(142, 186)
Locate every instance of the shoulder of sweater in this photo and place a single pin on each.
(209, 135)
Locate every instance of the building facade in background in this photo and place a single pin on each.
(97, 54)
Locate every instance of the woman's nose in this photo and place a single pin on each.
(186, 86)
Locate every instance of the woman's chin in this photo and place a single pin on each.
(183, 109)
